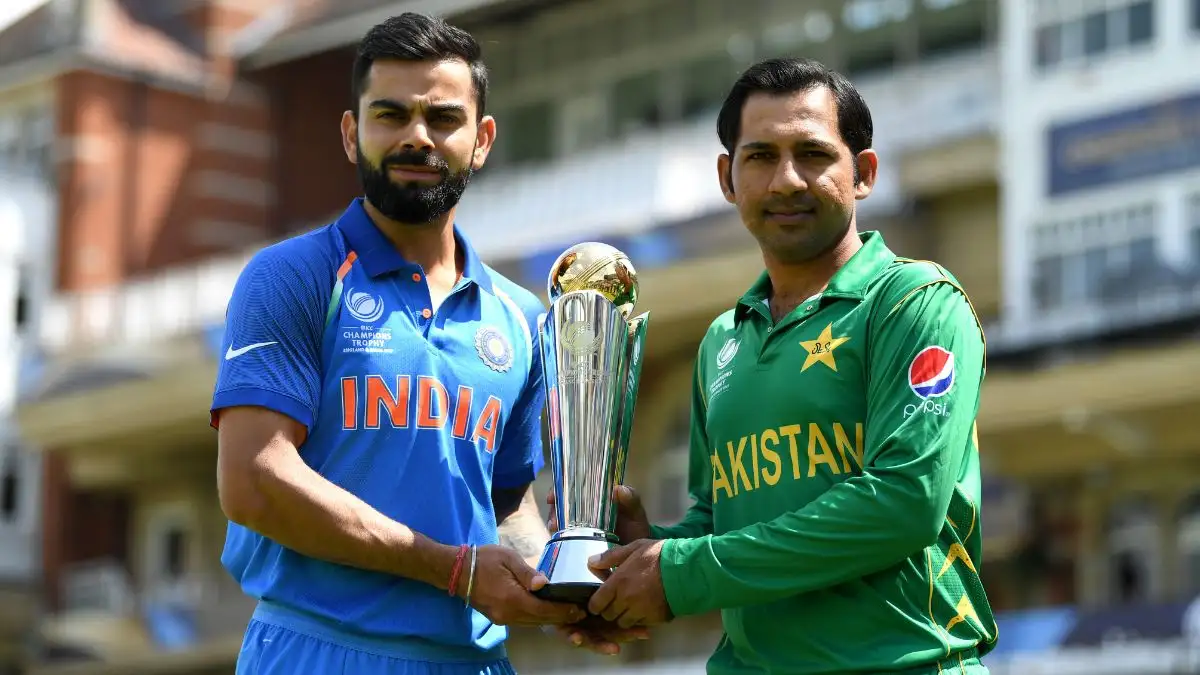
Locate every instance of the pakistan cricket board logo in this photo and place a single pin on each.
(930, 376)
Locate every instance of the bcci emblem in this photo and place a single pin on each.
(493, 349)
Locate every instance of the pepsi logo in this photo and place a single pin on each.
(931, 373)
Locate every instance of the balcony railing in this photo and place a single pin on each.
(640, 184)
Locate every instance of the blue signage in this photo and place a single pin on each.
(1130, 144)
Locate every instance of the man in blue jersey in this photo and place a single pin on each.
(379, 401)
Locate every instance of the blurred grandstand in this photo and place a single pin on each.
(1046, 151)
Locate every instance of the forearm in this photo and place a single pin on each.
(303, 511)
(859, 527)
(522, 528)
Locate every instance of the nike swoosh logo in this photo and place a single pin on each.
(234, 353)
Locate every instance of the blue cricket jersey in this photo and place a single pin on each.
(419, 413)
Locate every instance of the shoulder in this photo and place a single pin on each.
(719, 333)
(312, 257)
(905, 277)
(529, 305)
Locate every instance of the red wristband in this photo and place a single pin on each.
(457, 570)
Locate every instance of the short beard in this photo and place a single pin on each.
(411, 203)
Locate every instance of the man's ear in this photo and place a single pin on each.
(350, 136)
(867, 170)
(485, 137)
(725, 176)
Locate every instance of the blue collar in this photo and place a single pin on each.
(379, 256)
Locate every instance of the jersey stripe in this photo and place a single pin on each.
(336, 297)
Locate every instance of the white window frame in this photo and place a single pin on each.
(161, 518)
(1142, 538)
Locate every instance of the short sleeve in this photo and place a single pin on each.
(273, 335)
(520, 456)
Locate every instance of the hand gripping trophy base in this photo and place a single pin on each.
(565, 563)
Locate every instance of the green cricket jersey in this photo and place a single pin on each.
(835, 478)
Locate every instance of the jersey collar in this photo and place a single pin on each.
(379, 257)
(850, 282)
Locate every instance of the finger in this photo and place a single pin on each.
(630, 618)
(610, 558)
(603, 596)
(596, 643)
(616, 609)
(538, 581)
(546, 612)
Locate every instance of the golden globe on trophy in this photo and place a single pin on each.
(591, 356)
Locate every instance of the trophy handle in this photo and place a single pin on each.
(635, 348)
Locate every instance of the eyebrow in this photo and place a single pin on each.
(756, 146)
(391, 104)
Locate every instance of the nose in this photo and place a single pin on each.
(416, 136)
(787, 179)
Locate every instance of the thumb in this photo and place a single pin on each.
(627, 498)
(610, 558)
(550, 498)
(525, 575)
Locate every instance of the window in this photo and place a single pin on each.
(1080, 32)
(944, 28)
(1188, 544)
(170, 537)
(21, 303)
(1133, 545)
(706, 82)
(637, 103)
(1098, 258)
(10, 488)
(671, 473)
(528, 134)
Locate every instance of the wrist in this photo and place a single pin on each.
(432, 563)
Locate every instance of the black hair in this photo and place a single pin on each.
(784, 76)
(418, 37)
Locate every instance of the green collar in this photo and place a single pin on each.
(849, 283)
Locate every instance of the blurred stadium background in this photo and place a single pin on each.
(1048, 151)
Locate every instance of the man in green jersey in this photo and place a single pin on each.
(834, 459)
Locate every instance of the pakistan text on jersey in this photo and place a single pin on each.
(752, 461)
(372, 402)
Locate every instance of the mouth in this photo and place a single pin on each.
(791, 216)
(409, 173)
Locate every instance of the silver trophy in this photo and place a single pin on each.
(591, 357)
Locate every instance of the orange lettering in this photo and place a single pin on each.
(350, 403)
(380, 396)
(462, 411)
(489, 423)
(431, 414)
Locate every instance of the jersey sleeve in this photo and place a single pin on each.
(917, 433)
(520, 456)
(273, 331)
(698, 520)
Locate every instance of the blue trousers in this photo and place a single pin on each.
(282, 645)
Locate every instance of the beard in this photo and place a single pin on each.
(411, 203)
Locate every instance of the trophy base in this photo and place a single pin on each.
(565, 564)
